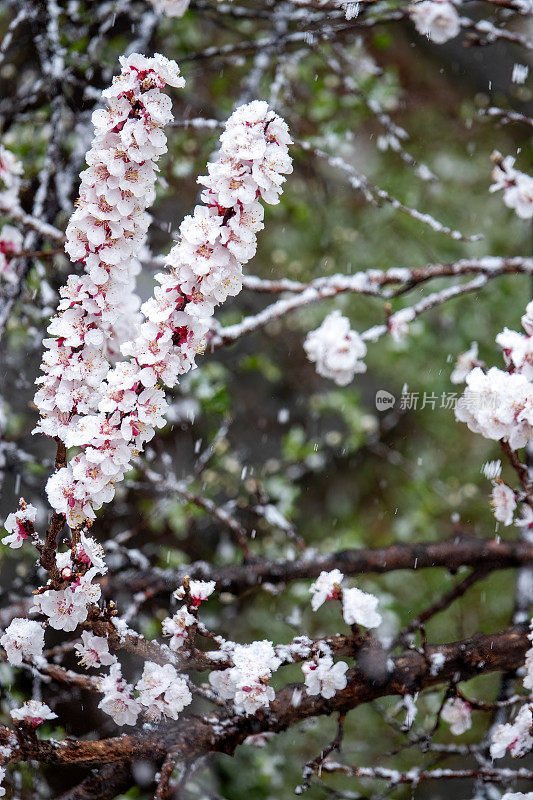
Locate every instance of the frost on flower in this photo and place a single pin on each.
(111, 413)
(513, 737)
(503, 503)
(246, 683)
(465, 364)
(198, 590)
(94, 651)
(176, 627)
(360, 608)
(23, 638)
(324, 677)
(11, 241)
(10, 172)
(2, 776)
(436, 19)
(33, 713)
(163, 691)
(457, 713)
(172, 8)
(336, 349)
(326, 587)
(517, 186)
(19, 524)
(118, 700)
(498, 405)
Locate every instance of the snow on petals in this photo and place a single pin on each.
(336, 349)
(360, 608)
(118, 700)
(513, 737)
(436, 19)
(247, 682)
(503, 502)
(11, 241)
(19, 524)
(326, 587)
(324, 677)
(163, 691)
(457, 713)
(198, 591)
(517, 186)
(94, 651)
(33, 713)
(23, 638)
(176, 627)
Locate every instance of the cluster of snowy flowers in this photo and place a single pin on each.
(436, 19)
(324, 677)
(336, 349)
(246, 683)
(514, 737)
(499, 404)
(457, 713)
(10, 172)
(11, 241)
(33, 713)
(118, 700)
(105, 233)
(517, 186)
(23, 638)
(67, 608)
(205, 267)
(162, 691)
(19, 524)
(358, 607)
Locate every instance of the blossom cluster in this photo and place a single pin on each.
(324, 677)
(98, 307)
(336, 349)
(517, 186)
(204, 268)
(436, 19)
(498, 404)
(247, 682)
(358, 607)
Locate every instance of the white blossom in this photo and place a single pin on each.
(499, 405)
(23, 638)
(198, 590)
(336, 349)
(503, 503)
(247, 682)
(457, 713)
(18, 523)
(162, 690)
(67, 608)
(517, 186)
(324, 677)
(33, 713)
(10, 172)
(436, 19)
(360, 608)
(326, 587)
(513, 737)
(176, 627)
(118, 700)
(94, 651)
